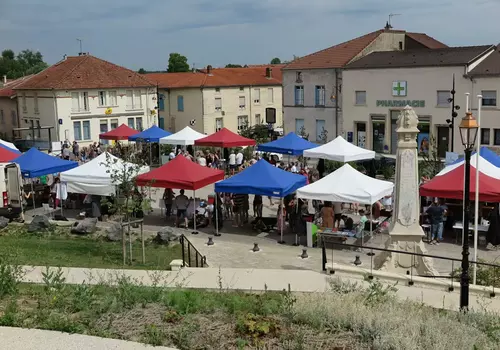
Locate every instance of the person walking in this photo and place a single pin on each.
(168, 199)
(182, 203)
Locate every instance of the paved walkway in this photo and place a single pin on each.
(256, 280)
(37, 339)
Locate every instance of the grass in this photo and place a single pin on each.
(347, 317)
(62, 249)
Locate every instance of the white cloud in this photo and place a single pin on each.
(142, 34)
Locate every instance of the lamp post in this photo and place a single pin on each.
(468, 132)
(454, 114)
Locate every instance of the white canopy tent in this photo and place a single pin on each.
(339, 150)
(185, 137)
(484, 166)
(95, 177)
(9, 144)
(347, 185)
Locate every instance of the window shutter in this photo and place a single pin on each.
(316, 96)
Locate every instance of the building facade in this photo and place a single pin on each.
(208, 100)
(81, 97)
(9, 116)
(378, 86)
(313, 84)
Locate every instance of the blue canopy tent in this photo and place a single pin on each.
(263, 179)
(35, 163)
(291, 144)
(153, 134)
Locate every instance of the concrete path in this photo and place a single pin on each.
(259, 280)
(37, 339)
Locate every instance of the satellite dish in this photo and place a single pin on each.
(192, 122)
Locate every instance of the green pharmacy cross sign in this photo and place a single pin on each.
(399, 88)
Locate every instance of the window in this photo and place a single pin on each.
(134, 99)
(321, 134)
(23, 101)
(85, 101)
(112, 98)
(298, 77)
(38, 128)
(2, 117)
(86, 129)
(75, 102)
(256, 96)
(218, 104)
(378, 135)
(320, 96)
(77, 130)
(270, 95)
(131, 123)
(242, 102)
(102, 98)
(496, 135)
(180, 103)
(299, 95)
(242, 122)
(79, 102)
(217, 89)
(138, 123)
(257, 119)
(401, 45)
(35, 103)
(13, 117)
(113, 123)
(242, 88)
(485, 136)
(489, 98)
(161, 102)
(299, 126)
(360, 98)
(219, 124)
(442, 98)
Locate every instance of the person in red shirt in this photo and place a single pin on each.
(303, 172)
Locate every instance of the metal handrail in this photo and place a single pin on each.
(203, 258)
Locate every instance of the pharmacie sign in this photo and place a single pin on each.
(401, 103)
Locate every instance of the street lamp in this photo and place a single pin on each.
(468, 132)
(454, 114)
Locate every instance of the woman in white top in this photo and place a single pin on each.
(202, 160)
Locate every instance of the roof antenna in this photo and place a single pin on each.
(388, 25)
(81, 50)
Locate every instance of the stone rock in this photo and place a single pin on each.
(167, 235)
(4, 222)
(85, 226)
(39, 223)
(114, 232)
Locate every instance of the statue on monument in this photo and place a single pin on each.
(405, 232)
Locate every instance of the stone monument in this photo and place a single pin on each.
(405, 233)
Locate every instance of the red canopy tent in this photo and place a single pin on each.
(224, 138)
(180, 173)
(7, 155)
(120, 133)
(451, 185)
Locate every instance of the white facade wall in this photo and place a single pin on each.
(423, 84)
(56, 109)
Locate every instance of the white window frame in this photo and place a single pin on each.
(257, 119)
(270, 95)
(300, 100)
(242, 122)
(129, 119)
(83, 102)
(219, 124)
(242, 103)
(442, 98)
(115, 122)
(81, 137)
(137, 120)
(136, 100)
(219, 107)
(256, 97)
(102, 98)
(358, 101)
(112, 98)
(322, 94)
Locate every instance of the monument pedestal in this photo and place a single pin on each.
(406, 233)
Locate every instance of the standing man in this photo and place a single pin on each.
(232, 162)
(436, 213)
(182, 203)
(168, 199)
(239, 160)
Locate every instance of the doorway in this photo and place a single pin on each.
(361, 135)
(443, 140)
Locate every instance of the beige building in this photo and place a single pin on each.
(208, 100)
(81, 97)
(313, 85)
(378, 86)
(8, 108)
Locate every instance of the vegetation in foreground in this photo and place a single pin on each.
(347, 317)
(60, 248)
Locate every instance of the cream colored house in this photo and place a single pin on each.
(313, 85)
(208, 100)
(81, 97)
(8, 107)
(378, 86)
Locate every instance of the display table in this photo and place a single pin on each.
(458, 227)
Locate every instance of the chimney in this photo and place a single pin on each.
(209, 69)
(269, 73)
(387, 26)
(64, 57)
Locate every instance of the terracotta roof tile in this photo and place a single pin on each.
(336, 56)
(85, 72)
(451, 56)
(219, 77)
(8, 89)
(489, 67)
(426, 40)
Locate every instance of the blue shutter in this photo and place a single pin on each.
(317, 96)
(180, 103)
(161, 103)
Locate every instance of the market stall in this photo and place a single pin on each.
(151, 135)
(123, 132)
(339, 150)
(185, 137)
(224, 138)
(290, 144)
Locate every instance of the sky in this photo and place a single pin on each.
(142, 34)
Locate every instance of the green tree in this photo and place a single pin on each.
(26, 62)
(276, 60)
(431, 163)
(142, 71)
(177, 63)
(231, 65)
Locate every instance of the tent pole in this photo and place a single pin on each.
(216, 215)
(150, 155)
(297, 213)
(476, 202)
(194, 213)
(33, 194)
(280, 217)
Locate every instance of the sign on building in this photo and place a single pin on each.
(399, 88)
